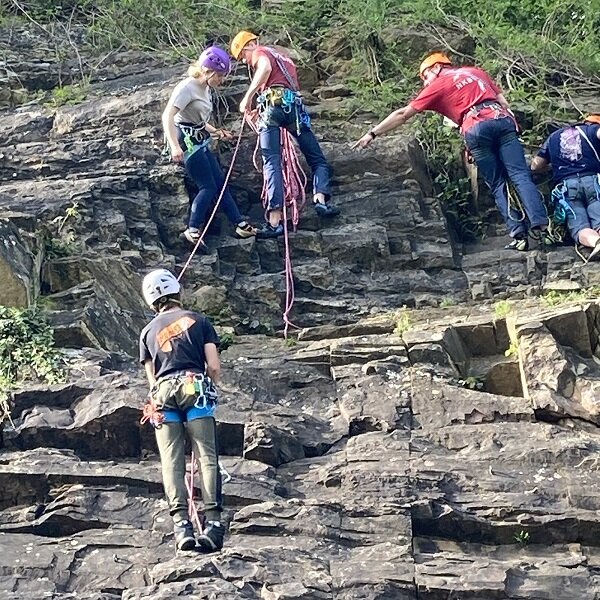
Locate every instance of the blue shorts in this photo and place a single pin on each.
(583, 195)
(191, 414)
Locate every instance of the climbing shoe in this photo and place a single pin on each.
(191, 234)
(267, 231)
(519, 244)
(244, 230)
(546, 240)
(184, 535)
(595, 251)
(326, 210)
(212, 536)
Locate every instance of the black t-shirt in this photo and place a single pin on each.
(174, 341)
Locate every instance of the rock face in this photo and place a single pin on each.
(387, 453)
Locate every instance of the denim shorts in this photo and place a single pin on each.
(583, 193)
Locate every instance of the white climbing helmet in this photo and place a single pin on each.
(159, 283)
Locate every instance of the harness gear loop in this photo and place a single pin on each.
(195, 136)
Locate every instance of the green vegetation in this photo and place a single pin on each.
(545, 55)
(558, 297)
(502, 308)
(522, 537)
(27, 352)
(512, 351)
(227, 340)
(68, 94)
(448, 302)
(403, 321)
(62, 241)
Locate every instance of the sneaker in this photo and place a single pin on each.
(244, 230)
(326, 210)
(546, 240)
(192, 235)
(519, 244)
(212, 536)
(184, 535)
(269, 232)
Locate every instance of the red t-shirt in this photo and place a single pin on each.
(276, 77)
(454, 91)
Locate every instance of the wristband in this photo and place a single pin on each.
(372, 134)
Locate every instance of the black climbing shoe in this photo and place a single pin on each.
(267, 232)
(326, 210)
(244, 230)
(184, 535)
(546, 240)
(519, 244)
(212, 536)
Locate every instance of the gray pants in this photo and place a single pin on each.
(171, 445)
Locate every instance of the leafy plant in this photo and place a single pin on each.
(558, 297)
(227, 340)
(502, 308)
(522, 537)
(290, 342)
(63, 241)
(403, 321)
(27, 352)
(448, 302)
(512, 350)
(68, 94)
(473, 382)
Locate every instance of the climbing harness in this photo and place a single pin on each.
(195, 137)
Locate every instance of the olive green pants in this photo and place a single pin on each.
(170, 438)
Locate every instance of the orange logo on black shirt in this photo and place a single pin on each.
(173, 330)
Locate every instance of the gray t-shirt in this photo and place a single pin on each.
(193, 100)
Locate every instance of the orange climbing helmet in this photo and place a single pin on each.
(435, 58)
(593, 118)
(239, 41)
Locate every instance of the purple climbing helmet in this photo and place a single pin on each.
(216, 59)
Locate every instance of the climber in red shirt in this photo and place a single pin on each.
(470, 98)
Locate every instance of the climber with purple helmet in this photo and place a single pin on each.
(188, 132)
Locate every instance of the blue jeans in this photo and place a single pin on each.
(203, 169)
(499, 156)
(272, 119)
(583, 196)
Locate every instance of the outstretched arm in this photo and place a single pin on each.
(393, 120)
(263, 70)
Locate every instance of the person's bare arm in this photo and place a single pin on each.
(539, 164)
(263, 70)
(213, 363)
(170, 129)
(393, 120)
(149, 367)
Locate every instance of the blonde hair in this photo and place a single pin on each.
(195, 70)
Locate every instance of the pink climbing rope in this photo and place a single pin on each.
(294, 198)
(189, 484)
